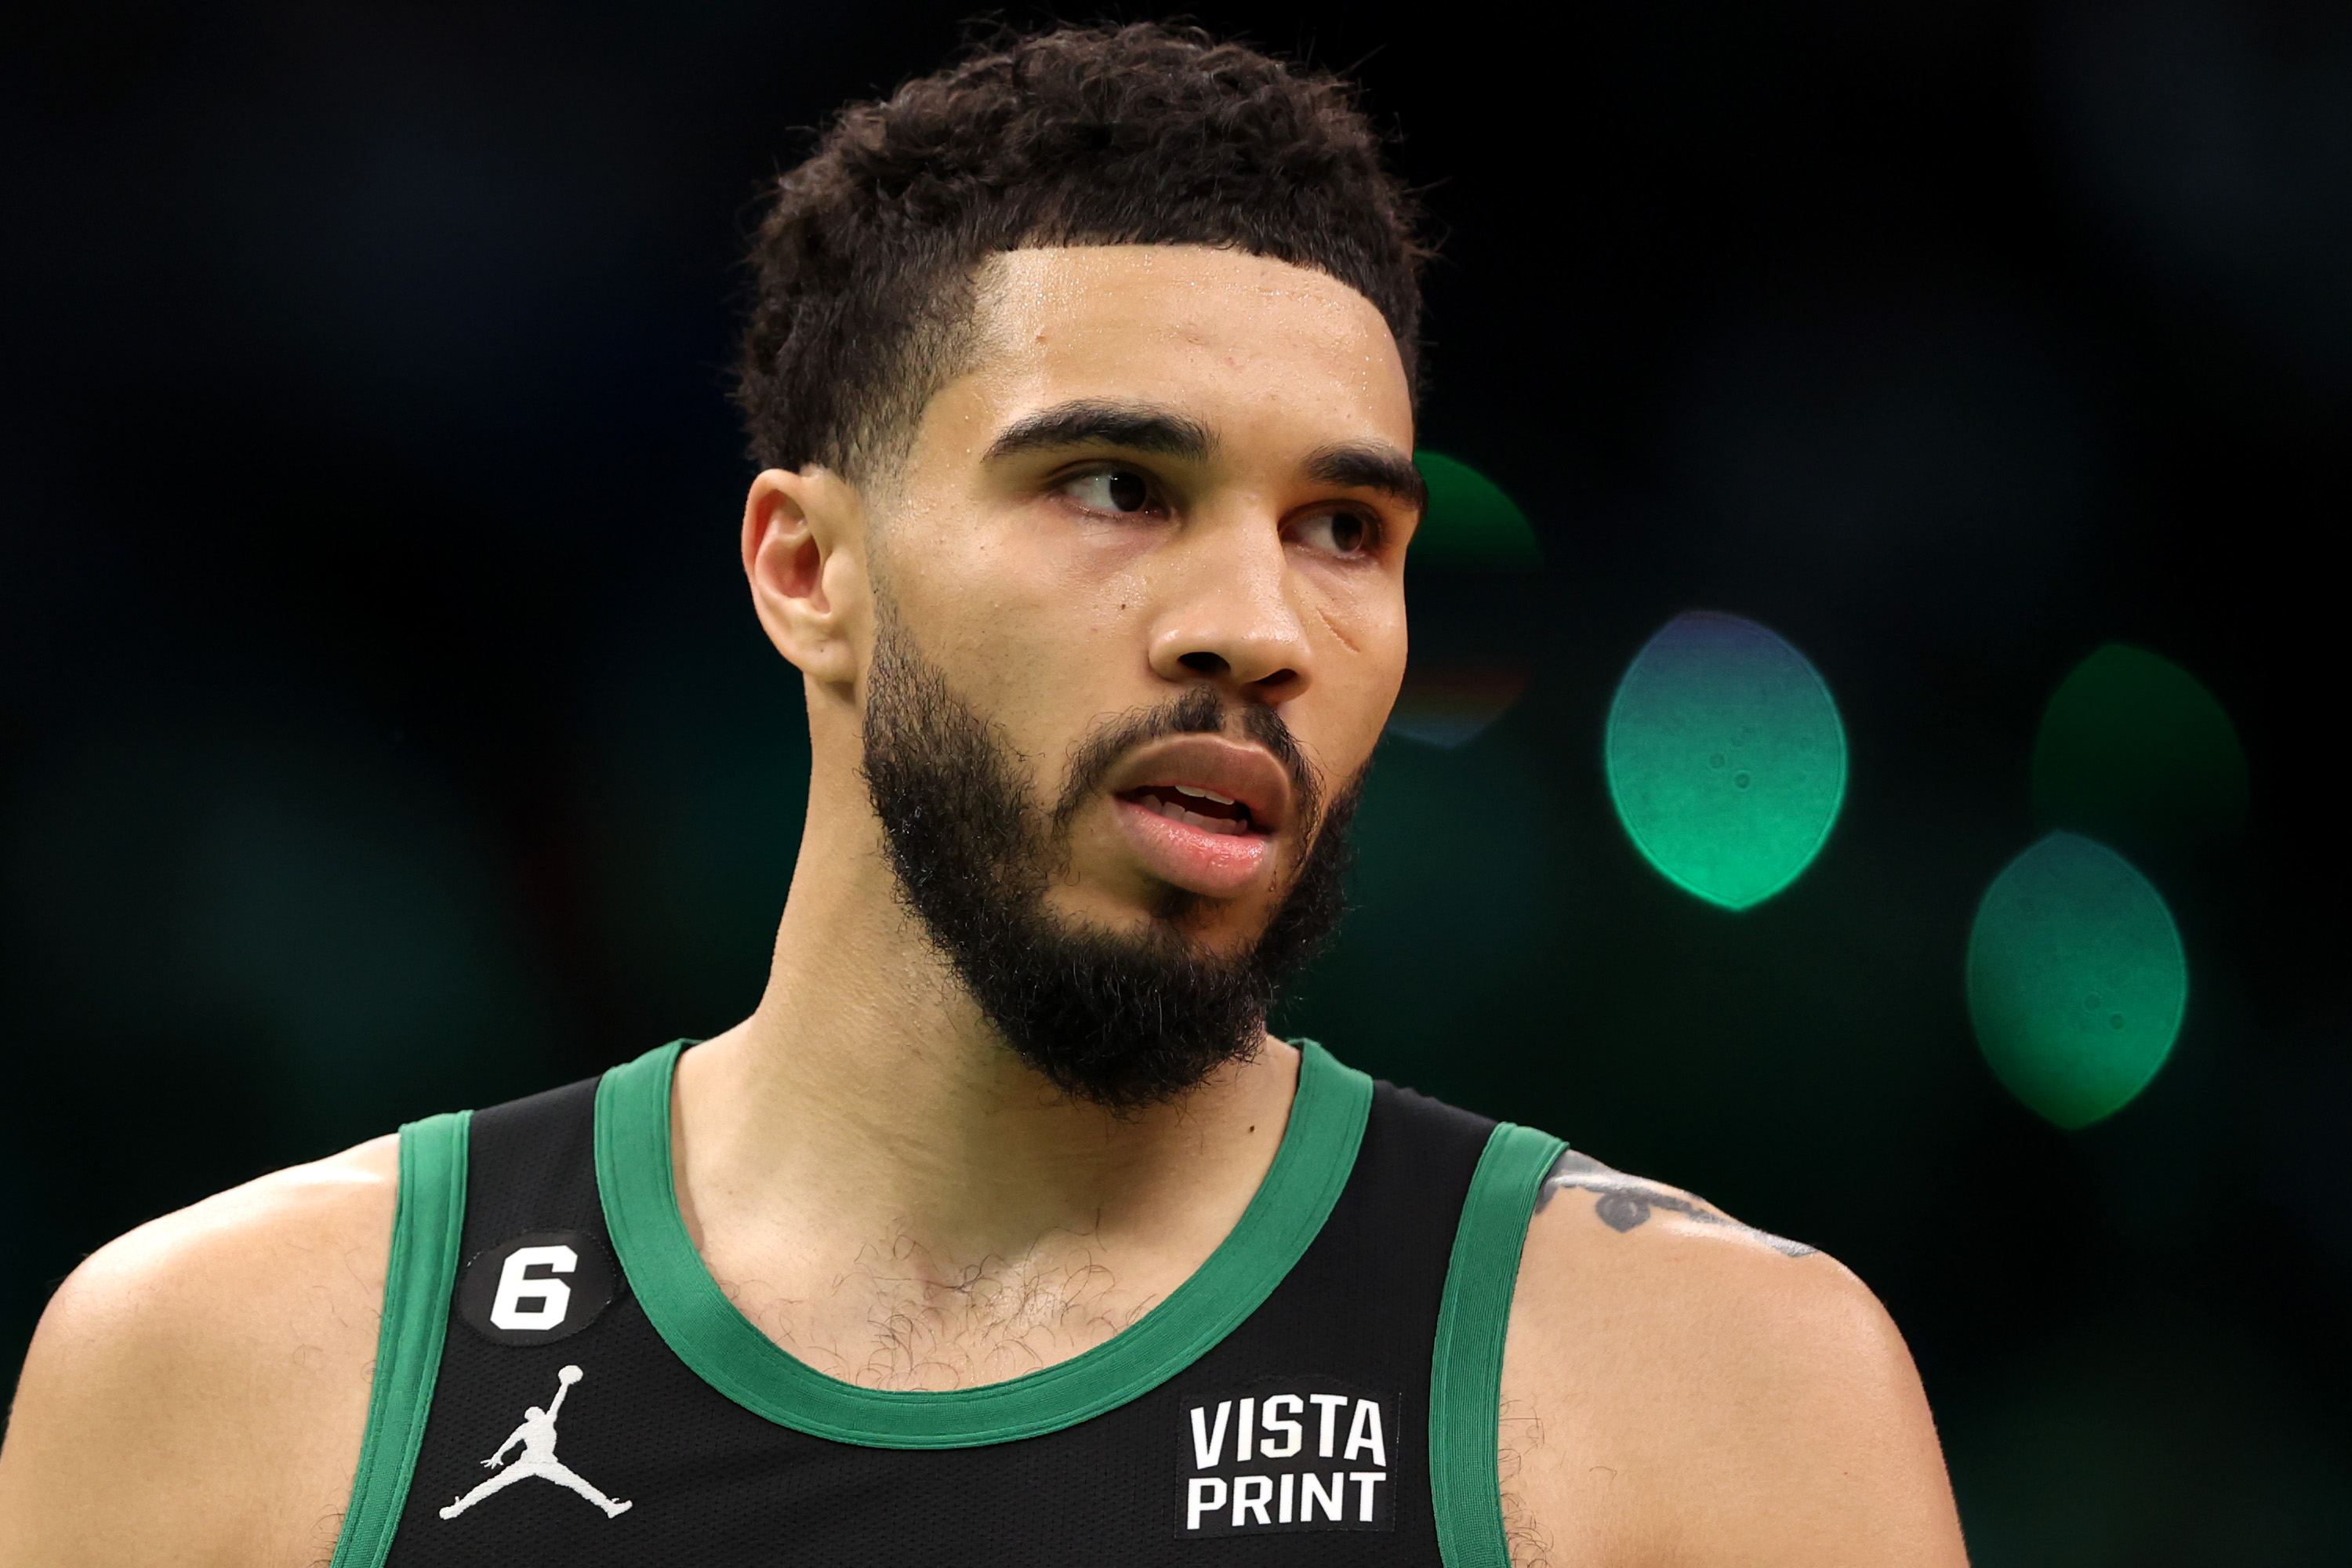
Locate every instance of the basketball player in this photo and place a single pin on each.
(1081, 378)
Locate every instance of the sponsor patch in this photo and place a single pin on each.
(536, 1287)
(1288, 1454)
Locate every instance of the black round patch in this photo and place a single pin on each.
(537, 1288)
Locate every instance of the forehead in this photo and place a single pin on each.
(1244, 343)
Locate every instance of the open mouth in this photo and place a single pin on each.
(1195, 807)
(1202, 813)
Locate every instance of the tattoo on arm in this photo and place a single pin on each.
(1626, 1201)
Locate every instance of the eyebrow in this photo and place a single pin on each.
(1095, 421)
(1366, 466)
(1150, 428)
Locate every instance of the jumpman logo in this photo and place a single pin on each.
(537, 1435)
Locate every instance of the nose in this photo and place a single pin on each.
(1230, 619)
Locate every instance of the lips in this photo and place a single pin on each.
(1201, 812)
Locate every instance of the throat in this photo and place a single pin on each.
(899, 1218)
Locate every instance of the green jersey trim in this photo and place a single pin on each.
(428, 1223)
(1465, 1377)
(698, 1322)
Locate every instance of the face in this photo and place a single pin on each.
(1177, 478)
(1117, 642)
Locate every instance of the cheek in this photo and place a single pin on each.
(1043, 655)
(1368, 633)
(1362, 669)
(1023, 576)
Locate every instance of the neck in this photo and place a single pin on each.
(864, 1149)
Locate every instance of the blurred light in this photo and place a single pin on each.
(1726, 758)
(1451, 703)
(2076, 980)
(1471, 522)
(2134, 750)
(1471, 562)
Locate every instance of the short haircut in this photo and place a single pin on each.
(1145, 134)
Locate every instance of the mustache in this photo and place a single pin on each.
(1200, 711)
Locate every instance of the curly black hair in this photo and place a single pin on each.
(1106, 135)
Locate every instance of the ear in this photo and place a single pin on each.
(803, 553)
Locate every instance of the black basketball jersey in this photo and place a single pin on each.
(559, 1380)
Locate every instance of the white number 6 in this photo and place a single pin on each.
(515, 1287)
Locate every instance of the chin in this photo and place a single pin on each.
(1215, 928)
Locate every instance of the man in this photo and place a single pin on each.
(1081, 378)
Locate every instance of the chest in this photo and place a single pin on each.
(595, 1396)
(1282, 1444)
(895, 1316)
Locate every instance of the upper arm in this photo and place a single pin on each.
(1680, 1388)
(197, 1389)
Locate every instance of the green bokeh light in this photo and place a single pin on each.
(2134, 750)
(2077, 979)
(1451, 703)
(1471, 523)
(1726, 758)
(1475, 606)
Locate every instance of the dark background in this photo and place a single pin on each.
(384, 729)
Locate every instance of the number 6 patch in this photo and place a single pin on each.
(537, 1288)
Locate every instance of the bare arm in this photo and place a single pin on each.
(196, 1391)
(1679, 1388)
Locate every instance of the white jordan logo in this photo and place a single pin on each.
(537, 1435)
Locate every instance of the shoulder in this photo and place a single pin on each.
(308, 1239)
(231, 1346)
(1672, 1370)
(1616, 1257)
(329, 1218)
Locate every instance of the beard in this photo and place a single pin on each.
(1120, 1019)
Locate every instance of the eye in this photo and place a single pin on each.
(1109, 489)
(1347, 534)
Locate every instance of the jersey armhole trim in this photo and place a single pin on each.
(428, 1224)
(725, 1349)
(1466, 1379)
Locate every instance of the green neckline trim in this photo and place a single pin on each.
(706, 1330)
(428, 1223)
(1465, 1377)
